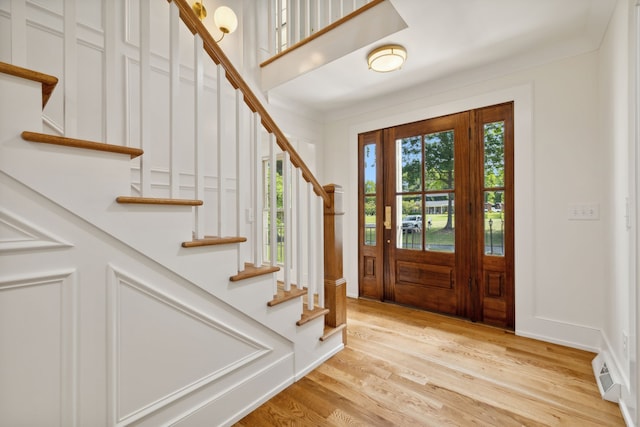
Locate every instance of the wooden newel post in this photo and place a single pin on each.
(335, 286)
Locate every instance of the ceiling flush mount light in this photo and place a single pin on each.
(387, 58)
(224, 18)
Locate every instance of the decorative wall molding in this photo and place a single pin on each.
(53, 125)
(160, 179)
(19, 234)
(66, 320)
(160, 65)
(125, 291)
(255, 376)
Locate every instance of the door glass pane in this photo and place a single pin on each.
(409, 234)
(440, 222)
(494, 223)
(369, 220)
(494, 154)
(369, 167)
(438, 165)
(409, 164)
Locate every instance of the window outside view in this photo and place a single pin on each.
(425, 199)
(425, 191)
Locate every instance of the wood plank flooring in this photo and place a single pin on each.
(405, 367)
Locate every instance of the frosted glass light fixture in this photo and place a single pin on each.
(387, 58)
(224, 18)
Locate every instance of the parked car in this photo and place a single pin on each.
(412, 223)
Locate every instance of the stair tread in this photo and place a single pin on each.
(212, 241)
(48, 82)
(158, 201)
(283, 296)
(80, 143)
(251, 271)
(309, 315)
(330, 331)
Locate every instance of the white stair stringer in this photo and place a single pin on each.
(98, 334)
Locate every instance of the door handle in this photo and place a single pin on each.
(387, 217)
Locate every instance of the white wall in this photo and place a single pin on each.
(560, 264)
(616, 102)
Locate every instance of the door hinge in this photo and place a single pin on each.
(469, 132)
(470, 284)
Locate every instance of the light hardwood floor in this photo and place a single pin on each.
(405, 367)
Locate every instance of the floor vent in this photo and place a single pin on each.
(609, 388)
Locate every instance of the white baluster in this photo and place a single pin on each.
(286, 205)
(319, 244)
(220, 152)
(311, 245)
(199, 151)
(291, 25)
(240, 177)
(273, 208)
(318, 16)
(307, 18)
(257, 191)
(278, 12)
(299, 235)
(174, 94)
(273, 221)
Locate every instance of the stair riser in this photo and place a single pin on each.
(20, 106)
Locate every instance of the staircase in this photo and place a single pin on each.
(123, 307)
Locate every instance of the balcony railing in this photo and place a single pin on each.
(292, 22)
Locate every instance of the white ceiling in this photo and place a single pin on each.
(448, 37)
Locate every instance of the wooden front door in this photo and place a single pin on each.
(436, 215)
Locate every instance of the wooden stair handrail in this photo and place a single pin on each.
(196, 26)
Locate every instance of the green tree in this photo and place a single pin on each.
(494, 154)
(369, 187)
(493, 161)
(439, 167)
(411, 152)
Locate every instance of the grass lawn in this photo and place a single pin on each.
(438, 236)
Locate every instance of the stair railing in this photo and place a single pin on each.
(303, 201)
(294, 22)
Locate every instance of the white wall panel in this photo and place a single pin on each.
(5, 37)
(45, 53)
(90, 92)
(18, 234)
(55, 6)
(89, 13)
(37, 336)
(163, 349)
